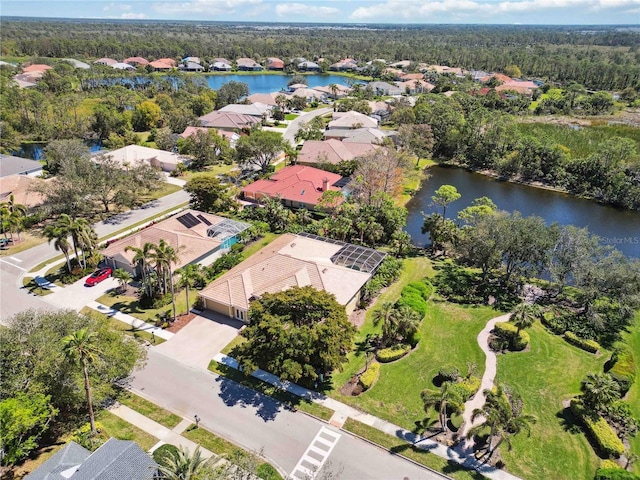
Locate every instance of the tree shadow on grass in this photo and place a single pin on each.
(568, 421)
(234, 394)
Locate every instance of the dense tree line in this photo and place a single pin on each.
(602, 58)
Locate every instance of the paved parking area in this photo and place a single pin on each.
(202, 339)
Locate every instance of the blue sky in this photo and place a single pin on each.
(341, 11)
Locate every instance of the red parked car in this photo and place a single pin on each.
(98, 276)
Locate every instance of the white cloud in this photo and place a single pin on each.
(207, 7)
(133, 16)
(420, 10)
(117, 6)
(309, 11)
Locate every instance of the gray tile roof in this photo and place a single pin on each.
(10, 165)
(71, 455)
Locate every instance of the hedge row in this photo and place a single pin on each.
(508, 331)
(590, 346)
(624, 367)
(605, 437)
(615, 474)
(414, 295)
(392, 353)
(368, 378)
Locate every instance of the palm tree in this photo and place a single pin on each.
(524, 315)
(66, 225)
(60, 241)
(446, 399)
(189, 275)
(334, 90)
(123, 277)
(142, 257)
(503, 414)
(13, 215)
(179, 464)
(407, 321)
(599, 391)
(165, 255)
(80, 346)
(86, 237)
(384, 315)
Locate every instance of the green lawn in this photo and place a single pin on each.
(211, 171)
(131, 306)
(140, 335)
(150, 410)
(123, 430)
(291, 116)
(633, 397)
(30, 284)
(400, 447)
(164, 190)
(545, 376)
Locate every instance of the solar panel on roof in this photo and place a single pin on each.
(188, 220)
(204, 220)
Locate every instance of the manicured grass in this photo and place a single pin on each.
(27, 241)
(253, 247)
(287, 398)
(149, 409)
(123, 430)
(291, 116)
(30, 284)
(239, 339)
(211, 171)
(131, 306)
(140, 335)
(633, 397)
(545, 376)
(220, 446)
(400, 447)
(163, 191)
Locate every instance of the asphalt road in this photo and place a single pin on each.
(259, 423)
(290, 133)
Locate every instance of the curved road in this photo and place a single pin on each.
(290, 133)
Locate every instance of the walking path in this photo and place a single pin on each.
(342, 412)
(128, 319)
(477, 401)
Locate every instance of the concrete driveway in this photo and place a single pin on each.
(202, 338)
(76, 295)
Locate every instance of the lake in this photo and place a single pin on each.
(619, 228)
(273, 83)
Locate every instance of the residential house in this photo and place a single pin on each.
(416, 86)
(106, 61)
(199, 237)
(170, 61)
(248, 65)
(317, 152)
(384, 88)
(259, 110)
(21, 187)
(500, 77)
(295, 86)
(264, 98)
(520, 86)
(161, 65)
(393, 73)
(136, 61)
(411, 76)
(309, 94)
(339, 268)
(307, 66)
(350, 120)
(221, 67)
(274, 63)
(192, 59)
(10, 165)
(232, 137)
(380, 109)
(373, 136)
(136, 154)
(297, 186)
(446, 70)
(340, 91)
(26, 81)
(227, 120)
(191, 67)
(115, 459)
(36, 67)
(123, 66)
(77, 63)
(344, 65)
(401, 64)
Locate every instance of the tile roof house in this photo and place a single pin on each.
(351, 119)
(519, 86)
(21, 187)
(170, 61)
(191, 67)
(297, 186)
(77, 63)
(136, 61)
(416, 86)
(344, 65)
(308, 93)
(228, 120)
(123, 66)
(341, 91)
(248, 65)
(385, 88)
(36, 68)
(134, 154)
(412, 76)
(114, 460)
(294, 261)
(221, 67)
(332, 151)
(372, 136)
(308, 66)
(232, 137)
(265, 98)
(274, 63)
(106, 61)
(192, 59)
(10, 165)
(501, 77)
(256, 109)
(161, 65)
(202, 235)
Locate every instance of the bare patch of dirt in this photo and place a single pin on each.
(181, 322)
(352, 388)
(357, 317)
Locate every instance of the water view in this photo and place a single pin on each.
(619, 228)
(273, 83)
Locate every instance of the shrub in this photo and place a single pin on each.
(509, 332)
(421, 288)
(471, 385)
(553, 323)
(155, 302)
(392, 353)
(615, 474)
(162, 452)
(623, 370)
(603, 435)
(368, 378)
(588, 345)
(413, 301)
(609, 464)
(266, 471)
(414, 339)
(449, 373)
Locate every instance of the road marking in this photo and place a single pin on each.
(316, 455)
(11, 264)
(16, 259)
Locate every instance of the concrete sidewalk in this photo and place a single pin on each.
(128, 319)
(342, 412)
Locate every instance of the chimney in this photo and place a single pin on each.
(325, 184)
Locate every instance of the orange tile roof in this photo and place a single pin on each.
(138, 60)
(36, 68)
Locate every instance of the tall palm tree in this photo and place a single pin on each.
(60, 241)
(446, 399)
(503, 414)
(524, 315)
(142, 257)
(599, 391)
(165, 256)
(80, 347)
(123, 277)
(384, 316)
(86, 237)
(179, 464)
(66, 224)
(13, 214)
(189, 275)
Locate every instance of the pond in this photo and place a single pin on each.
(619, 228)
(35, 150)
(273, 83)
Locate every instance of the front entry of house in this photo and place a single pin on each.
(240, 314)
